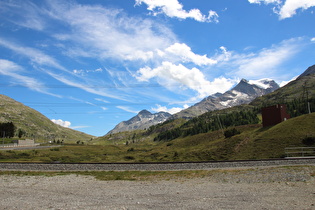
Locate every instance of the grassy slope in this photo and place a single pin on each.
(35, 124)
(270, 142)
(254, 142)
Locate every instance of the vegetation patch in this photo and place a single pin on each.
(170, 175)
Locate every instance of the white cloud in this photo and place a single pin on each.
(291, 6)
(103, 108)
(172, 110)
(62, 123)
(186, 78)
(108, 33)
(286, 8)
(313, 39)
(183, 53)
(172, 8)
(83, 72)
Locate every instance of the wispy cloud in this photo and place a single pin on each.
(80, 126)
(32, 16)
(101, 100)
(10, 69)
(287, 8)
(36, 56)
(109, 33)
(86, 87)
(265, 62)
(128, 109)
(172, 8)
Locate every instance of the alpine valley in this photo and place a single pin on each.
(243, 93)
(220, 127)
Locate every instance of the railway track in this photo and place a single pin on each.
(169, 166)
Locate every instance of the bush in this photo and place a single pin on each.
(131, 150)
(231, 132)
(309, 141)
(129, 157)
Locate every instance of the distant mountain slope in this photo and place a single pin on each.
(34, 124)
(243, 93)
(142, 120)
(302, 88)
(310, 70)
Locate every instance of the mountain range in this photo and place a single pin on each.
(243, 93)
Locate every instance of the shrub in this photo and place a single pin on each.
(309, 141)
(129, 157)
(231, 132)
(131, 150)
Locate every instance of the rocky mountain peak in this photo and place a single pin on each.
(243, 93)
(144, 119)
(144, 113)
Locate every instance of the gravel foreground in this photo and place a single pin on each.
(267, 188)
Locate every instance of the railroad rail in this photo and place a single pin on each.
(166, 166)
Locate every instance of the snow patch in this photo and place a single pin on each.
(262, 83)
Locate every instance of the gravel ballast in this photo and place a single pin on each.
(151, 166)
(263, 188)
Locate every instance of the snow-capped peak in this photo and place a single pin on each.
(262, 83)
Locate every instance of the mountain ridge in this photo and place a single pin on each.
(34, 124)
(143, 120)
(243, 93)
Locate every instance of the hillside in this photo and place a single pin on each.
(271, 142)
(34, 124)
(253, 142)
(303, 88)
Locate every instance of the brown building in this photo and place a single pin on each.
(273, 115)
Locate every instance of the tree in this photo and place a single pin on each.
(7, 129)
(21, 133)
(231, 132)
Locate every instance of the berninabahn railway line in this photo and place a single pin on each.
(155, 166)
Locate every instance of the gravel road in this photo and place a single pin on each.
(260, 188)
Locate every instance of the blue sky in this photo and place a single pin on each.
(90, 64)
